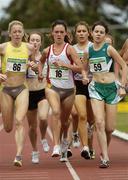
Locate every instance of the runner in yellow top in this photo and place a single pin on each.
(14, 94)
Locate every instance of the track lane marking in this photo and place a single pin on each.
(68, 164)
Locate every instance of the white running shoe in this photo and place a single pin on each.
(45, 145)
(56, 151)
(35, 157)
(75, 140)
(104, 164)
(64, 148)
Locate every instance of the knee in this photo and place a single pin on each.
(64, 124)
(83, 117)
(56, 113)
(43, 122)
(8, 129)
(19, 123)
(100, 125)
(42, 116)
(32, 128)
(74, 115)
(109, 130)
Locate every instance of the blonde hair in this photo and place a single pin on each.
(14, 22)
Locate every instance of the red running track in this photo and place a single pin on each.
(51, 169)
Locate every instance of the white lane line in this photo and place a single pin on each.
(69, 166)
(72, 171)
(121, 135)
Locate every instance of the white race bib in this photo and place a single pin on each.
(98, 64)
(16, 65)
(60, 73)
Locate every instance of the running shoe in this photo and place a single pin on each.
(104, 164)
(35, 157)
(85, 152)
(56, 151)
(75, 140)
(64, 148)
(92, 154)
(17, 161)
(69, 153)
(45, 145)
(63, 157)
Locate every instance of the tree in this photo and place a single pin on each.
(38, 14)
(41, 13)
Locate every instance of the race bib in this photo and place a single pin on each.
(98, 64)
(16, 65)
(60, 73)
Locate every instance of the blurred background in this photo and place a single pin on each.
(39, 14)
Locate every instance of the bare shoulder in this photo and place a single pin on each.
(111, 50)
(46, 50)
(70, 49)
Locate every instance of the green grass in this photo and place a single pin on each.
(122, 122)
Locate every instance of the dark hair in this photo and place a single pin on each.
(101, 23)
(64, 24)
(59, 22)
